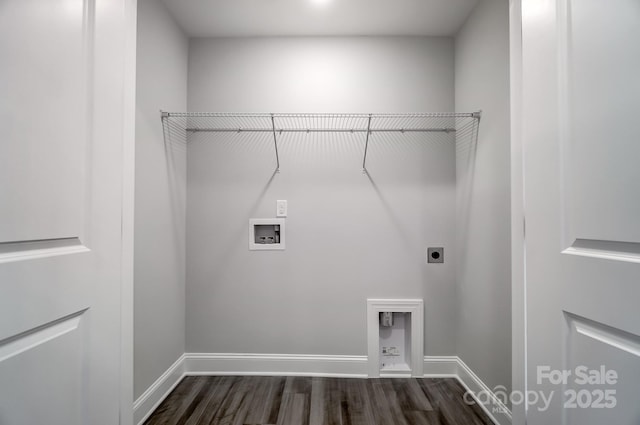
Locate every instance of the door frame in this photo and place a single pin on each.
(128, 202)
(518, 227)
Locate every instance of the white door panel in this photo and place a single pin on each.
(64, 70)
(591, 345)
(34, 286)
(601, 56)
(46, 394)
(581, 195)
(44, 108)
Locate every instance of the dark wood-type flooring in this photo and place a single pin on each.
(234, 400)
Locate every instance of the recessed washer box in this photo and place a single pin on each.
(266, 234)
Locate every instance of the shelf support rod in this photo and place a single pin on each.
(275, 143)
(366, 146)
(164, 119)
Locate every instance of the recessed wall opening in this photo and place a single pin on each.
(266, 234)
(395, 342)
(395, 337)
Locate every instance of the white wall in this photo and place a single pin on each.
(483, 219)
(349, 236)
(160, 197)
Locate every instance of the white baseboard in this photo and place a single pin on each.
(483, 395)
(158, 391)
(275, 365)
(307, 365)
(440, 367)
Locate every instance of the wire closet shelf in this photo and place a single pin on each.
(180, 125)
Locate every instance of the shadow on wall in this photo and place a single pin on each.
(415, 152)
(466, 149)
(176, 138)
(391, 213)
(175, 146)
(238, 236)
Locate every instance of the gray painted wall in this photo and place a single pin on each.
(349, 236)
(160, 197)
(483, 219)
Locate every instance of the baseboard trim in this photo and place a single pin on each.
(440, 367)
(489, 401)
(276, 365)
(340, 366)
(158, 391)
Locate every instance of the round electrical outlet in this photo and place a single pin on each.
(435, 255)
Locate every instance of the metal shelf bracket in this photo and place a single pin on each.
(366, 146)
(275, 143)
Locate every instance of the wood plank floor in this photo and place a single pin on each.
(234, 400)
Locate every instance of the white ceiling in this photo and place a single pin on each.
(229, 18)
